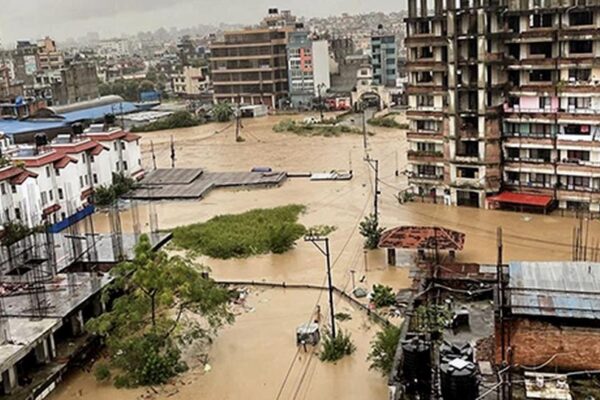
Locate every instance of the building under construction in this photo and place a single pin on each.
(50, 286)
(504, 100)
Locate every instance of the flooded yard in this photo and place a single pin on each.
(249, 359)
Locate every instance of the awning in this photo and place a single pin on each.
(522, 199)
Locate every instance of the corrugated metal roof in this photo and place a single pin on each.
(15, 127)
(98, 113)
(556, 289)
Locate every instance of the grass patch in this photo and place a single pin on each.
(386, 122)
(260, 231)
(327, 128)
(179, 119)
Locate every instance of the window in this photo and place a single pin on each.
(115, 146)
(13, 188)
(44, 198)
(81, 181)
(539, 179)
(541, 130)
(513, 177)
(540, 155)
(541, 49)
(469, 173)
(580, 75)
(540, 20)
(426, 147)
(50, 195)
(581, 103)
(579, 18)
(122, 145)
(512, 153)
(60, 194)
(125, 165)
(573, 129)
(57, 172)
(540, 75)
(578, 155)
(424, 77)
(424, 101)
(580, 46)
(87, 180)
(545, 103)
(18, 213)
(425, 52)
(3, 188)
(48, 172)
(95, 177)
(578, 181)
(426, 170)
(427, 126)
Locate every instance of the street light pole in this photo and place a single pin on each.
(315, 240)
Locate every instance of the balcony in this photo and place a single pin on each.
(425, 156)
(426, 178)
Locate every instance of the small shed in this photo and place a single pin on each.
(422, 239)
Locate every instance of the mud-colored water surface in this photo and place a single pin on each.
(250, 358)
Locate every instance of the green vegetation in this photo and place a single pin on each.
(107, 195)
(334, 349)
(326, 129)
(129, 90)
(222, 112)
(102, 372)
(383, 350)
(164, 303)
(179, 119)
(238, 236)
(385, 122)
(341, 316)
(16, 231)
(431, 319)
(383, 296)
(369, 228)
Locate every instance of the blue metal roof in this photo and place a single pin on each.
(14, 127)
(555, 289)
(98, 113)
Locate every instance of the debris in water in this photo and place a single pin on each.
(207, 368)
(359, 292)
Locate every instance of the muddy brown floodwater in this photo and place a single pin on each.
(250, 358)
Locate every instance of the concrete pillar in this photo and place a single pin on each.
(423, 8)
(52, 346)
(42, 354)
(9, 380)
(98, 306)
(76, 321)
(412, 8)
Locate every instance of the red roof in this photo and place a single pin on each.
(63, 162)
(40, 161)
(22, 177)
(422, 237)
(98, 149)
(523, 199)
(51, 209)
(76, 147)
(106, 136)
(131, 137)
(15, 175)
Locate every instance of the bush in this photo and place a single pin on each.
(383, 296)
(370, 230)
(179, 119)
(106, 195)
(102, 372)
(334, 349)
(385, 122)
(222, 112)
(237, 236)
(326, 128)
(383, 349)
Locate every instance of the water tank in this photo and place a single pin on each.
(459, 380)
(109, 119)
(450, 351)
(77, 128)
(41, 139)
(417, 365)
(273, 11)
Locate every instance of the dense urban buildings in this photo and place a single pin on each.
(250, 65)
(504, 98)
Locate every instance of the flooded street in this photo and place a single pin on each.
(250, 358)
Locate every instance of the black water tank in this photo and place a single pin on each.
(450, 351)
(109, 119)
(77, 128)
(417, 365)
(41, 139)
(273, 11)
(459, 380)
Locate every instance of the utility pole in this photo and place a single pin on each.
(153, 154)
(321, 105)
(316, 241)
(364, 121)
(172, 152)
(238, 121)
(374, 164)
(501, 300)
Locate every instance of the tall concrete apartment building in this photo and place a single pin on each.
(250, 66)
(308, 68)
(384, 58)
(504, 102)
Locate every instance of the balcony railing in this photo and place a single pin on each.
(423, 153)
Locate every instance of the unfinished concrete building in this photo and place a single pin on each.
(504, 101)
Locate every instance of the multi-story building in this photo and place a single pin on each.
(191, 81)
(308, 68)
(50, 58)
(78, 82)
(250, 65)
(384, 57)
(504, 96)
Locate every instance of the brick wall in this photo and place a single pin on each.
(534, 343)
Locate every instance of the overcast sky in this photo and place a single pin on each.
(62, 19)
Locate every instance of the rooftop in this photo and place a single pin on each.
(422, 238)
(555, 289)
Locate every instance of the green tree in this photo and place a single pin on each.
(383, 296)
(223, 112)
(154, 314)
(383, 349)
(334, 349)
(371, 231)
